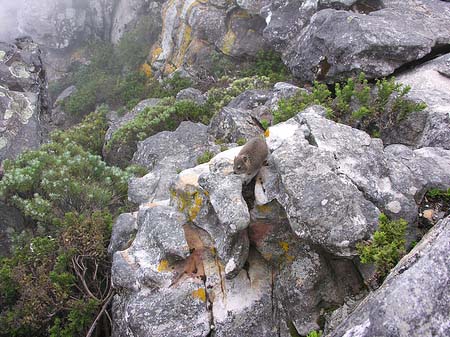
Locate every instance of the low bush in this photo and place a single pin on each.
(372, 108)
(57, 279)
(387, 246)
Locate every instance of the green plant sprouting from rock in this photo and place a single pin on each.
(386, 247)
(373, 108)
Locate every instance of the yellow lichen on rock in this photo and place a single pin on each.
(228, 42)
(200, 294)
(163, 266)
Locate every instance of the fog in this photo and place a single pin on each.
(8, 19)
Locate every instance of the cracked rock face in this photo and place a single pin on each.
(430, 83)
(414, 300)
(218, 258)
(23, 97)
(331, 41)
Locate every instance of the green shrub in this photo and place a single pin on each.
(268, 64)
(387, 246)
(288, 108)
(58, 276)
(315, 334)
(439, 194)
(356, 103)
(205, 157)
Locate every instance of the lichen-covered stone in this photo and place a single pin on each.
(23, 98)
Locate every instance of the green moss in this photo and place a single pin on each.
(205, 157)
(241, 141)
(387, 246)
(439, 194)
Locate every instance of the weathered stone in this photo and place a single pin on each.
(191, 94)
(414, 299)
(23, 98)
(337, 175)
(124, 228)
(431, 127)
(249, 99)
(332, 41)
(231, 125)
(166, 153)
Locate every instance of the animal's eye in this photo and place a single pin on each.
(239, 167)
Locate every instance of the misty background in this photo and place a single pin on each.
(9, 23)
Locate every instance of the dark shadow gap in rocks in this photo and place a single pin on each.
(433, 207)
(360, 7)
(436, 51)
(367, 6)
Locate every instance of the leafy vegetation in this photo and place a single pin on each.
(386, 247)
(169, 113)
(57, 279)
(356, 103)
(315, 334)
(205, 157)
(435, 193)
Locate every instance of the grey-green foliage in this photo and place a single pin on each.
(373, 108)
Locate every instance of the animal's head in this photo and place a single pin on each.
(241, 164)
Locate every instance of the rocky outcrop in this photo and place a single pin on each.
(193, 31)
(23, 97)
(414, 300)
(430, 83)
(270, 257)
(167, 153)
(333, 40)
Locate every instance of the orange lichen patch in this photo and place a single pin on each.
(228, 42)
(157, 50)
(147, 70)
(200, 293)
(163, 266)
(150, 204)
(169, 69)
(267, 133)
(186, 40)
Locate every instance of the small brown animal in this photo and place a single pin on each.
(251, 157)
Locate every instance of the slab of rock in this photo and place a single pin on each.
(332, 41)
(335, 180)
(431, 127)
(414, 299)
(167, 153)
(231, 124)
(23, 98)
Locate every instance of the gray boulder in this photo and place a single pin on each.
(430, 127)
(332, 41)
(23, 98)
(124, 228)
(191, 94)
(414, 299)
(231, 124)
(336, 180)
(167, 153)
